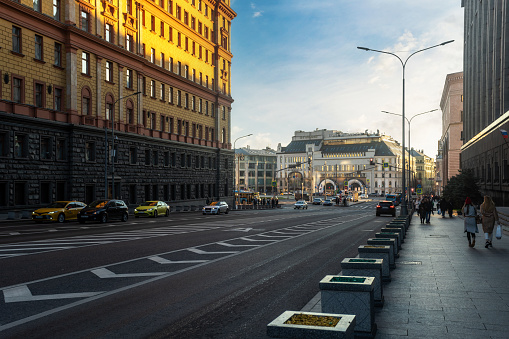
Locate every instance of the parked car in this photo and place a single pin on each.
(363, 196)
(58, 211)
(152, 209)
(103, 211)
(327, 202)
(317, 201)
(217, 207)
(385, 207)
(301, 204)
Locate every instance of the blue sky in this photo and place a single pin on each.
(296, 66)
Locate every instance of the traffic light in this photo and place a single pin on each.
(371, 161)
(309, 161)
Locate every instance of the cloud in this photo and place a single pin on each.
(257, 14)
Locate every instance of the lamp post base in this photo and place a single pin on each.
(404, 209)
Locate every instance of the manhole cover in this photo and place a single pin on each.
(409, 262)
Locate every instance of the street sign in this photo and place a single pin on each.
(419, 191)
(419, 186)
(386, 164)
(274, 183)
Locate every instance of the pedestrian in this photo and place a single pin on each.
(489, 217)
(429, 210)
(417, 204)
(443, 207)
(469, 223)
(422, 210)
(438, 207)
(449, 209)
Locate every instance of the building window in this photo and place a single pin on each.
(186, 102)
(133, 156)
(170, 34)
(153, 55)
(37, 5)
(186, 18)
(199, 106)
(61, 149)
(129, 78)
(39, 91)
(86, 99)
(90, 151)
(170, 6)
(152, 88)
(16, 39)
(129, 42)
(179, 99)
(129, 7)
(206, 108)
(170, 126)
(109, 107)
(193, 103)
(85, 63)
(46, 148)
(152, 23)
(170, 95)
(56, 10)
(85, 20)
(38, 48)
(163, 91)
(58, 54)
(130, 112)
(108, 33)
(18, 90)
(109, 71)
(147, 157)
(179, 68)
(178, 13)
(186, 71)
(20, 146)
(57, 104)
(179, 39)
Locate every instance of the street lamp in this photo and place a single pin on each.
(404, 207)
(409, 148)
(236, 168)
(112, 150)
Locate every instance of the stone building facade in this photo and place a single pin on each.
(451, 141)
(94, 92)
(255, 169)
(328, 161)
(486, 93)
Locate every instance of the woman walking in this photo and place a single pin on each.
(489, 217)
(470, 225)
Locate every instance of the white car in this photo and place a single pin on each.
(301, 204)
(363, 196)
(217, 207)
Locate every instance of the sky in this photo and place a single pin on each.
(296, 66)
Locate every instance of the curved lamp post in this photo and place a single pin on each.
(112, 151)
(404, 207)
(409, 149)
(236, 166)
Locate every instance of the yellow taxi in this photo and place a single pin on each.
(58, 211)
(152, 209)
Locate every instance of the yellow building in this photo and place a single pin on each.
(154, 74)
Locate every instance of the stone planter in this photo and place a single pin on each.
(392, 235)
(386, 242)
(377, 252)
(351, 295)
(366, 268)
(406, 220)
(281, 328)
(395, 224)
(395, 230)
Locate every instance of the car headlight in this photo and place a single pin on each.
(151, 209)
(52, 212)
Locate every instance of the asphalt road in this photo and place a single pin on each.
(186, 276)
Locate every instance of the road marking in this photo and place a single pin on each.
(249, 239)
(231, 245)
(23, 293)
(160, 260)
(240, 229)
(15, 233)
(197, 251)
(105, 273)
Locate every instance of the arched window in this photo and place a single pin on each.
(109, 107)
(86, 101)
(223, 136)
(129, 112)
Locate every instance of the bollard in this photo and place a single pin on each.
(387, 242)
(395, 230)
(377, 252)
(393, 235)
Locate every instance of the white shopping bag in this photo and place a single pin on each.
(498, 233)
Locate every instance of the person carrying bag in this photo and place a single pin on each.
(489, 217)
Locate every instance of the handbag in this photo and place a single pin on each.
(498, 233)
(478, 219)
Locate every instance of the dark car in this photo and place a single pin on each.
(385, 207)
(103, 211)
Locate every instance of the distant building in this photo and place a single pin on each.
(255, 169)
(328, 161)
(486, 93)
(154, 73)
(424, 172)
(451, 141)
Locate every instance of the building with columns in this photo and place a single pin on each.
(328, 161)
(134, 93)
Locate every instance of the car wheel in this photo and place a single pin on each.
(155, 214)
(81, 221)
(226, 211)
(125, 216)
(204, 213)
(167, 214)
(104, 218)
(61, 217)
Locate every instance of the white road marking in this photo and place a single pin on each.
(160, 260)
(197, 251)
(105, 273)
(23, 293)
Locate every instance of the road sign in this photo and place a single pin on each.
(386, 164)
(419, 191)
(274, 183)
(419, 186)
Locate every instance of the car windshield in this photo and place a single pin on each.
(57, 204)
(385, 204)
(214, 203)
(149, 203)
(98, 203)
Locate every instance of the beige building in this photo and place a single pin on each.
(451, 141)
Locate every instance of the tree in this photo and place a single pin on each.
(461, 186)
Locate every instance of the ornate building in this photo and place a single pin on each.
(255, 169)
(135, 93)
(327, 161)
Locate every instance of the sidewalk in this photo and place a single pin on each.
(441, 288)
